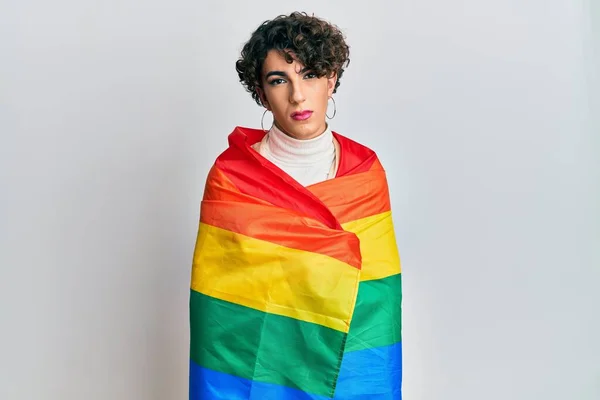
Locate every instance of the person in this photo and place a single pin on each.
(296, 279)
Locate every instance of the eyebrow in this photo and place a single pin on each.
(281, 73)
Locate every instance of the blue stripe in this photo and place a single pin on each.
(371, 374)
(206, 384)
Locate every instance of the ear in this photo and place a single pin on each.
(331, 81)
(263, 98)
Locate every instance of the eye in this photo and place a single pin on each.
(310, 75)
(276, 82)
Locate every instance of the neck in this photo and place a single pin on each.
(287, 149)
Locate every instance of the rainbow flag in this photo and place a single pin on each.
(295, 291)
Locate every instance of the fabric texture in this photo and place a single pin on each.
(295, 291)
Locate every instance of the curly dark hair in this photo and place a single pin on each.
(317, 44)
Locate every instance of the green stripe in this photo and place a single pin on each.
(264, 347)
(377, 319)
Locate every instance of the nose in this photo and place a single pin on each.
(297, 93)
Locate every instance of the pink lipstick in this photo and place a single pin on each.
(302, 115)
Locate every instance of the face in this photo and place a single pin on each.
(297, 98)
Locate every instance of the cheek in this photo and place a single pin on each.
(278, 104)
(273, 97)
(321, 97)
(315, 91)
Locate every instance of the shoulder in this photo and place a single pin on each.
(241, 141)
(355, 157)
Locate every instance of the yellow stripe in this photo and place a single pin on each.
(275, 279)
(380, 257)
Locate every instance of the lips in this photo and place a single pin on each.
(302, 115)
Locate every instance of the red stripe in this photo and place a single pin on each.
(257, 177)
(354, 157)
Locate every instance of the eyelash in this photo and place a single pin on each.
(309, 75)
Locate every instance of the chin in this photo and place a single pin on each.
(305, 131)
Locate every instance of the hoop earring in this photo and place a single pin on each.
(262, 120)
(334, 109)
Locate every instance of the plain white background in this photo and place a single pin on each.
(484, 112)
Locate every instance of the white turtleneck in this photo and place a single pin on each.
(307, 161)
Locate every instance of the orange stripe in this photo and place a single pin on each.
(220, 187)
(279, 226)
(376, 166)
(355, 196)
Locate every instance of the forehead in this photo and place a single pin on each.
(276, 61)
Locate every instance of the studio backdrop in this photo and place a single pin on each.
(483, 113)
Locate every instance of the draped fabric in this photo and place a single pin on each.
(295, 291)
